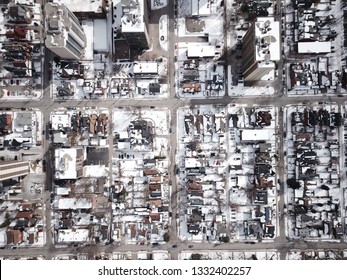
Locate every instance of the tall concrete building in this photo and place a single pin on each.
(261, 49)
(12, 169)
(135, 23)
(65, 35)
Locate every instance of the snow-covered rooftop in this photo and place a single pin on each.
(73, 203)
(199, 50)
(60, 121)
(73, 235)
(268, 43)
(88, 28)
(66, 163)
(133, 18)
(314, 47)
(62, 191)
(82, 5)
(256, 134)
(145, 68)
(100, 34)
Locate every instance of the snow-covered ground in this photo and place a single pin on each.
(317, 255)
(135, 148)
(26, 87)
(95, 171)
(163, 32)
(231, 255)
(324, 190)
(235, 202)
(160, 255)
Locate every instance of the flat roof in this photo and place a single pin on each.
(256, 134)
(201, 50)
(60, 121)
(23, 118)
(82, 5)
(62, 190)
(192, 162)
(268, 45)
(145, 68)
(100, 36)
(65, 163)
(133, 21)
(314, 47)
(73, 203)
(201, 7)
(73, 235)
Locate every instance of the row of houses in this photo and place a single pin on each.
(315, 203)
(81, 212)
(24, 225)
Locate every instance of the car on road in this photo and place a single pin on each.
(190, 246)
(174, 246)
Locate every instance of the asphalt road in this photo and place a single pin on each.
(279, 100)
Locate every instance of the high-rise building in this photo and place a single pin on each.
(12, 169)
(65, 35)
(261, 48)
(135, 23)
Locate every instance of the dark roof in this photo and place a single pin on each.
(4, 121)
(195, 216)
(154, 87)
(193, 228)
(65, 223)
(262, 169)
(264, 147)
(196, 193)
(104, 232)
(196, 170)
(21, 223)
(270, 229)
(149, 161)
(155, 194)
(163, 208)
(261, 197)
(18, 14)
